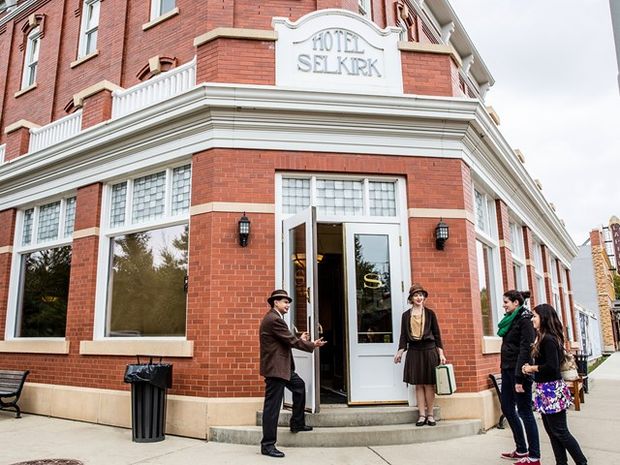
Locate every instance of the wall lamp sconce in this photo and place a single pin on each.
(442, 233)
(244, 230)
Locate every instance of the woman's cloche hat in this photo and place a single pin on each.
(277, 295)
(417, 288)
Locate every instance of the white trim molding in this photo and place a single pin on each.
(133, 347)
(236, 33)
(6, 249)
(231, 207)
(448, 213)
(87, 232)
(35, 346)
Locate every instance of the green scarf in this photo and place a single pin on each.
(506, 322)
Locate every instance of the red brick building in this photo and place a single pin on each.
(134, 137)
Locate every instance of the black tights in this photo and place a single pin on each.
(561, 439)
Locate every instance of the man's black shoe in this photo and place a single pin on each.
(299, 429)
(272, 452)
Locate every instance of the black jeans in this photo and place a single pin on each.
(561, 439)
(274, 392)
(517, 408)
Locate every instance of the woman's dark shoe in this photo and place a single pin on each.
(430, 421)
(299, 429)
(421, 421)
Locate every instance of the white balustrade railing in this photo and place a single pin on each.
(55, 132)
(162, 87)
(2, 150)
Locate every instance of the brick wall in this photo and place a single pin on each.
(428, 73)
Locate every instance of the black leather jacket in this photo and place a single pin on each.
(517, 344)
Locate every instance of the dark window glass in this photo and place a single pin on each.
(44, 293)
(147, 283)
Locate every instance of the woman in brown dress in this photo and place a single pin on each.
(421, 338)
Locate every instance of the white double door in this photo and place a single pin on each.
(374, 281)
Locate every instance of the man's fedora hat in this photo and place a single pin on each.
(277, 295)
(417, 288)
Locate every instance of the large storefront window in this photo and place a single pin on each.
(539, 273)
(489, 271)
(569, 319)
(43, 253)
(148, 241)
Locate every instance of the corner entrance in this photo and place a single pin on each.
(351, 294)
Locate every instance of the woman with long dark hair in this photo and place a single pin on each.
(517, 333)
(552, 396)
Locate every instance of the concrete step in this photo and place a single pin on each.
(342, 416)
(351, 436)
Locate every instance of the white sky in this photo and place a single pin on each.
(556, 93)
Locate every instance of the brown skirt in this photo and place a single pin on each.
(420, 366)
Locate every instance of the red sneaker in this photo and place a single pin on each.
(528, 461)
(514, 455)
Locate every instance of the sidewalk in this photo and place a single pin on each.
(596, 427)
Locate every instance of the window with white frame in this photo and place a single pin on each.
(340, 196)
(569, 319)
(539, 274)
(555, 287)
(89, 27)
(364, 8)
(43, 266)
(161, 7)
(145, 241)
(31, 59)
(489, 269)
(518, 257)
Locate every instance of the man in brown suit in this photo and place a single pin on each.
(278, 368)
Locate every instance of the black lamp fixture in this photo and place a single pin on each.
(244, 230)
(442, 232)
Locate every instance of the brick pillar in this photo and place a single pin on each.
(7, 232)
(219, 52)
(96, 103)
(505, 247)
(528, 243)
(351, 5)
(81, 305)
(17, 139)
(604, 288)
(547, 273)
(429, 70)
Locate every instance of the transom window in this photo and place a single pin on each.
(42, 265)
(89, 28)
(344, 196)
(145, 247)
(161, 7)
(569, 319)
(31, 59)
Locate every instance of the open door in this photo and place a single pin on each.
(300, 272)
(374, 309)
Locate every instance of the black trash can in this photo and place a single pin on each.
(149, 384)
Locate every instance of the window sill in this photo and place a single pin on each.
(35, 346)
(491, 345)
(79, 61)
(133, 347)
(26, 90)
(161, 19)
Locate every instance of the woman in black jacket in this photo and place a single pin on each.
(552, 397)
(518, 335)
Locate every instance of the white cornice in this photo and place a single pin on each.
(270, 118)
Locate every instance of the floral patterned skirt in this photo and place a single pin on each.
(552, 397)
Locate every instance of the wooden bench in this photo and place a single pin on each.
(11, 385)
(577, 391)
(496, 379)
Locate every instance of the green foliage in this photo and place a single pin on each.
(148, 295)
(617, 285)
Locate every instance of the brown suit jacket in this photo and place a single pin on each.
(276, 342)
